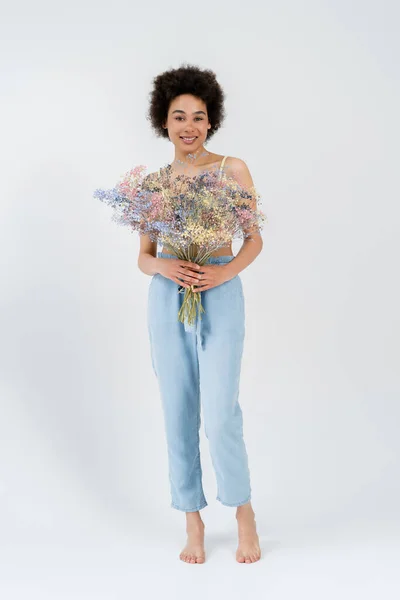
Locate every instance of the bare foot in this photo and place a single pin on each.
(248, 550)
(193, 552)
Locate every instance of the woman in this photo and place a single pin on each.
(186, 106)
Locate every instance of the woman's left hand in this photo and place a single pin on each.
(211, 276)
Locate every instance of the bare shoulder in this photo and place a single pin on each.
(234, 162)
(238, 169)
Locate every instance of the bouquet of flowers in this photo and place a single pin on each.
(193, 216)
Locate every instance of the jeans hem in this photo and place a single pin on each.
(236, 503)
(202, 505)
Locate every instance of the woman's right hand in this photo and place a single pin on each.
(178, 270)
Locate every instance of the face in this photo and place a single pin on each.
(187, 118)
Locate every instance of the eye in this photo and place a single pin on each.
(177, 118)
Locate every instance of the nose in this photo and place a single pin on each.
(190, 132)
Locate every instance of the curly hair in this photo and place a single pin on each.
(187, 79)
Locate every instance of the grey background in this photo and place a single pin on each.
(312, 107)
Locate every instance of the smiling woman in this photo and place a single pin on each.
(196, 312)
(187, 107)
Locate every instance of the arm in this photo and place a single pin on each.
(147, 260)
(253, 244)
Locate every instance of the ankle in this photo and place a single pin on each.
(245, 511)
(193, 520)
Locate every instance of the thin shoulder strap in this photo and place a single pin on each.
(222, 164)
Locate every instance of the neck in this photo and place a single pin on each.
(190, 158)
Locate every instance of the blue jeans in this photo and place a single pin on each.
(201, 362)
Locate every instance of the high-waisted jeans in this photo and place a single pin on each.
(201, 362)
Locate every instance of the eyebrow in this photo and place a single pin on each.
(196, 112)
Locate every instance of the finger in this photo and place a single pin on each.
(189, 275)
(188, 279)
(201, 288)
(191, 271)
(191, 265)
(182, 283)
(204, 280)
(191, 278)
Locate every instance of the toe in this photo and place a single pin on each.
(247, 559)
